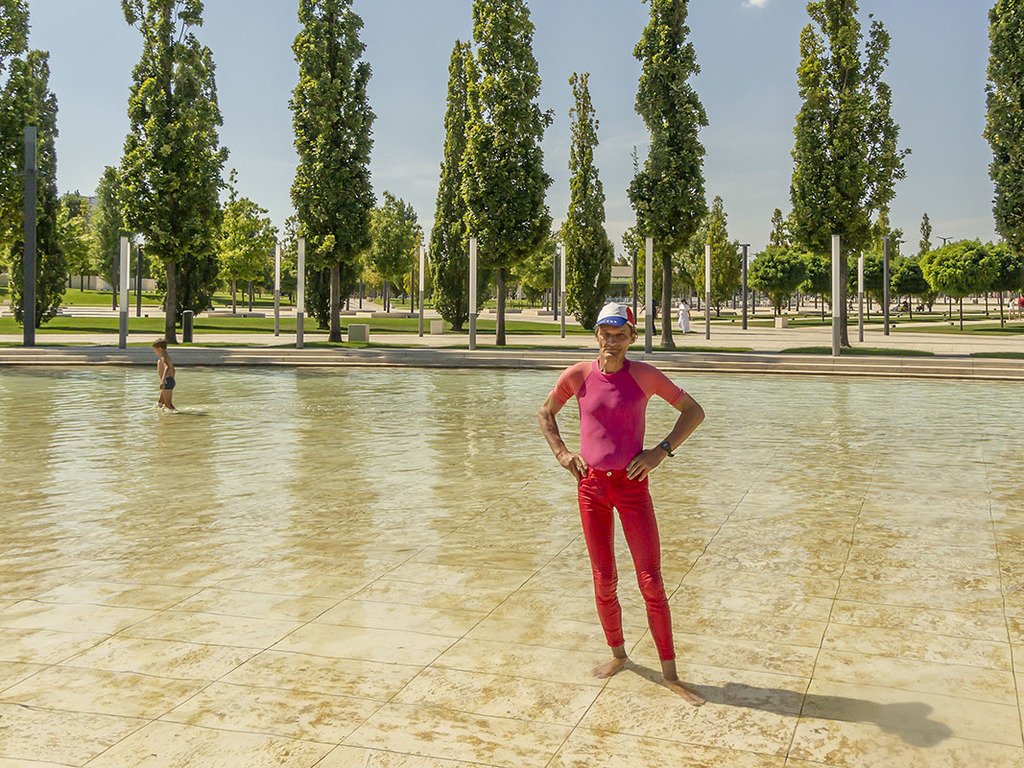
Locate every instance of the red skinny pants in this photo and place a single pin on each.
(599, 492)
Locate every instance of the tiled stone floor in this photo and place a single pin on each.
(384, 569)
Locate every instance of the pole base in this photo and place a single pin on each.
(299, 328)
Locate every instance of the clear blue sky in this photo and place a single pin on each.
(747, 51)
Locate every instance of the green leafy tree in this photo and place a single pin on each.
(393, 236)
(74, 231)
(247, 241)
(588, 251)
(925, 243)
(13, 52)
(726, 266)
(907, 279)
(333, 124)
(535, 273)
(846, 158)
(504, 182)
(668, 193)
(107, 229)
(1004, 126)
(817, 278)
(960, 269)
(1008, 273)
(449, 241)
(29, 97)
(777, 272)
(171, 169)
(780, 231)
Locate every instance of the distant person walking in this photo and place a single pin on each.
(684, 316)
(165, 372)
(611, 471)
(1020, 307)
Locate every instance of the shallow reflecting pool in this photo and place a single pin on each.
(331, 566)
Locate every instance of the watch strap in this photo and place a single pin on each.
(666, 446)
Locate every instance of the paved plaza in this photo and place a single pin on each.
(385, 569)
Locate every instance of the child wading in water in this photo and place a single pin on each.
(165, 370)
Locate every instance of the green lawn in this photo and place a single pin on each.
(1000, 355)
(1015, 328)
(871, 351)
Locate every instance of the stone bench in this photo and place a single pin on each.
(358, 332)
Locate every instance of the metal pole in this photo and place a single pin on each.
(837, 299)
(885, 285)
(707, 291)
(300, 293)
(472, 293)
(554, 285)
(277, 290)
(860, 297)
(138, 280)
(122, 325)
(745, 246)
(422, 263)
(635, 291)
(28, 291)
(562, 283)
(648, 295)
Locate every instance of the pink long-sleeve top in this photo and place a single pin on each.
(613, 408)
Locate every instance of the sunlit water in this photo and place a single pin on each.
(258, 461)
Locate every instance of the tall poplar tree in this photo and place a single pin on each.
(30, 101)
(13, 49)
(846, 161)
(925, 244)
(668, 193)
(589, 253)
(333, 125)
(449, 241)
(1004, 126)
(171, 169)
(503, 170)
(779, 237)
(107, 228)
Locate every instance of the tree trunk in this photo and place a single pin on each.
(250, 295)
(961, 314)
(335, 335)
(822, 310)
(499, 340)
(1002, 320)
(171, 303)
(666, 302)
(234, 295)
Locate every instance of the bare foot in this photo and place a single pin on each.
(676, 686)
(609, 668)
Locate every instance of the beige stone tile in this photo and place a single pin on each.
(921, 596)
(211, 629)
(358, 757)
(72, 738)
(895, 710)
(496, 556)
(277, 712)
(551, 633)
(966, 682)
(745, 626)
(864, 745)
(161, 658)
(689, 598)
(733, 687)
(106, 693)
(452, 622)
(100, 619)
(147, 596)
(385, 645)
(13, 672)
(176, 572)
(444, 733)
(308, 583)
(544, 605)
(978, 626)
(232, 602)
(910, 644)
(767, 583)
(661, 714)
(587, 748)
(530, 662)
(170, 745)
(42, 646)
(792, 762)
(730, 653)
(477, 577)
(320, 674)
(499, 695)
(8, 763)
(440, 596)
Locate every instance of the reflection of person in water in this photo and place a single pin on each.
(612, 471)
(165, 371)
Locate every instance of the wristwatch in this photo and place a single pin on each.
(667, 446)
